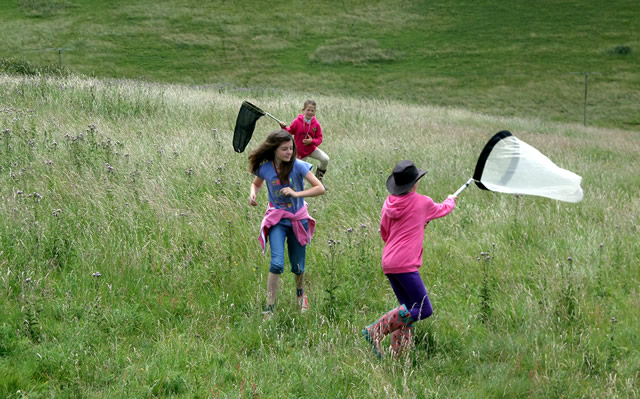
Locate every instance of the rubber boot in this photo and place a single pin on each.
(320, 173)
(401, 341)
(388, 323)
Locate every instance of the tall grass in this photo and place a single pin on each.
(130, 267)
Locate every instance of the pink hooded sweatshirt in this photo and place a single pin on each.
(404, 218)
(300, 129)
(272, 217)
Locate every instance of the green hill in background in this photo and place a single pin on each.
(526, 59)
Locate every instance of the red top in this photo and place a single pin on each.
(301, 129)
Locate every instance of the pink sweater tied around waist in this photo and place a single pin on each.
(273, 216)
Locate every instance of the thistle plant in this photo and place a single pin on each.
(486, 290)
(332, 286)
(568, 303)
(599, 285)
(612, 349)
(31, 322)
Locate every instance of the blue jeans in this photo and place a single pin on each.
(277, 236)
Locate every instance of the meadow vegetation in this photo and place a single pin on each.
(526, 60)
(130, 266)
(129, 259)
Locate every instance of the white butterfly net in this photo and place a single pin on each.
(509, 165)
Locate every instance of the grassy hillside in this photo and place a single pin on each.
(129, 264)
(524, 59)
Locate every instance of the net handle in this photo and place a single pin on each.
(461, 189)
(258, 110)
(273, 117)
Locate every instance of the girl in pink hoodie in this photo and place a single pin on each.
(405, 215)
(308, 136)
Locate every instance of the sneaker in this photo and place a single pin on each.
(303, 303)
(267, 314)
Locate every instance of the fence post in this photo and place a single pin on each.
(586, 90)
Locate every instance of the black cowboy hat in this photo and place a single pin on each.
(404, 176)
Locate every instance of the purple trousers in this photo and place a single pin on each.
(411, 292)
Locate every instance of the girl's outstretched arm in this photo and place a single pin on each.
(253, 190)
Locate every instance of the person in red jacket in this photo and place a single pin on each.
(405, 215)
(307, 134)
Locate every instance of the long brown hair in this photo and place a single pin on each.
(266, 152)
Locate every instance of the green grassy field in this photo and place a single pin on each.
(129, 260)
(130, 266)
(519, 59)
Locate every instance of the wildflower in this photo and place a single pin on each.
(28, 280)
(570, 259)
(97, 275)
(109, 167)
(601, 244)
(19, 192)
(350, 229)
(363, 226)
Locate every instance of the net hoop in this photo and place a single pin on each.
(253, 108)
(484, 155)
